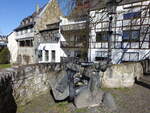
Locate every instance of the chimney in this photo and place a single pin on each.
(37, 8)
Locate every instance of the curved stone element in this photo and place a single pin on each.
(59, 85)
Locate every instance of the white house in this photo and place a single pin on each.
(49, 49)
(21, 40)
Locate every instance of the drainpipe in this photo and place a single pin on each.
(111, 7)
(110, 40)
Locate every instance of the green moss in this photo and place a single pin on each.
(5, 66)
(60, 107)
(4, 56)
(21, 109)
(81, 110)
(62, 104)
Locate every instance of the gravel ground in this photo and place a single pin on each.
(128, 100)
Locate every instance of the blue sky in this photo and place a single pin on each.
(13, 11)
(66, 6)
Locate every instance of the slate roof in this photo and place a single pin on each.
(30, 23)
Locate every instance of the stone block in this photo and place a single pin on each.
(121, 75)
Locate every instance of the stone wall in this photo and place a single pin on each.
(26, 82)
(20, 85)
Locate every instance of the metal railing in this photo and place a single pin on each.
(121, 45)
(72, 44)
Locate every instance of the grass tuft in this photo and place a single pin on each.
(81, 110)
(2, 66)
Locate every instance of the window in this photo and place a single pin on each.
(21, 32)
(17, 33)
(102, 36)
(126, 35)
(40, 55)
(31, 20)
(27, 21)
(31, 30)
(26, 43)
(53, 56)
(21, 43)
(51, 36)
(26, 30)
(46, 55)
(133, 35)
(131, 56)
(101, 55)
(56, 37)
(132, 15)
(77, 54)
(29, 43)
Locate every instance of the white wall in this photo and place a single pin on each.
(50, 47)
(13, 47)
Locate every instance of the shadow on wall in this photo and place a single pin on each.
(7, 101)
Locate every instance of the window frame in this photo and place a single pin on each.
(100, 38)
(101, 56)
(130, 36)
(129, 53)
(132, 15)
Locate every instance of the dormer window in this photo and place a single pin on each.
(23, 23)
(31, 20)
(27, 21)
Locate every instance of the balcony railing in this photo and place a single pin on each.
(73, 59)
(73, 44)
(104, 45)
(121, 45)
(71, 27)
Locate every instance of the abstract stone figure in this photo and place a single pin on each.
(81, 83)
(91, 95)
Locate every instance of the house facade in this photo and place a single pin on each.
(74, 31)
(21, 40)
(48, 36)
(37, 38)
(130, 40)
(74, 37)
(24, 38)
